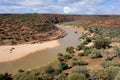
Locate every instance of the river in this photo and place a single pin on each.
(42, 57)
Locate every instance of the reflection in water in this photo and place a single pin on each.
(42, 57)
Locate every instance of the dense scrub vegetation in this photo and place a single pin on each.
(20, 28)
(106, 26)
(99, 61)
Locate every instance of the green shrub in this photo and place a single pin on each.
(112, 72)
(76, 76)
(80, 69)
(74, 63)
(99, 74)
(57, 71)
(60, 59)
(63, 66)
(83, 36)
(70, 50)
(79, 47)
(61, 76)
(28, 75)
(82, 63)
(79, 63)
(117, 51)
(106, 55)
(110, 63)
(59, 54)
(81, 54)
(5, 76)
(117, 77)
(85, 42)
(95, 53)
(74, 58)
(67, 56)
(49, 69)
(88, 39)
(86, 53)
(90, 29)
(87, 50)
(102, 43)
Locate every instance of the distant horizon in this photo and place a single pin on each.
(63, 14)
(78, 7)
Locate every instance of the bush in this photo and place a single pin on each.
(64, 57)
(70, 50)
(59, 54)
(20, 70)
(5, 76)
(49, 69)
(117, 77)
(60, 77)
(81, 54)
(82, 63)
(110, 63)
(79, 63)
(88, 39)
(87, 51)
(112, 72)
(95, 53)
(74, 63)
(63, 66)
(67, 56)
(98, 74)
(79, 47)
(106, 55)
(76, 76)
(29, 75)
(102, 43)
(117, 51)
(57, 71)
(80, 69)
(74, 58)
(60, 59)
(91, 30)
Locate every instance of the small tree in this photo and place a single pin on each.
(80, 69)
(49, 69)
(106, 54)
(79, 47)
(112, 72)
(70, 50)
(63, 66)
(102, 43)
(98, 74)
(95, 53)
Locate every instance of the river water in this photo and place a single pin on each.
(42, 57)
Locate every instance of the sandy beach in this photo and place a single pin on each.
(14, 52)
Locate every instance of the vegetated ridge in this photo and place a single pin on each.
(30, 28)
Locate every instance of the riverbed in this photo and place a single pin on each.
(43, 57)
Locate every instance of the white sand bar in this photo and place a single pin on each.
(14, 52)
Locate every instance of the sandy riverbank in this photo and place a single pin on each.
(14, 52)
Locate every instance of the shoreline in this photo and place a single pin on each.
(10, 53)
(47, 36)
(80, 29)
(15, 52)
